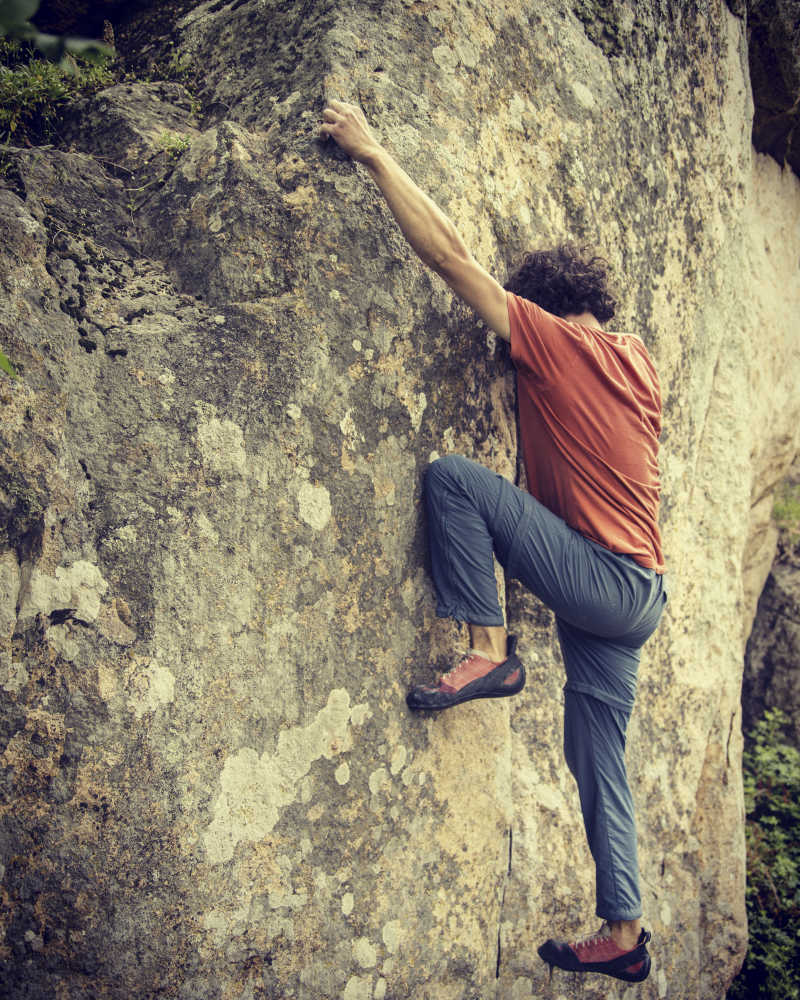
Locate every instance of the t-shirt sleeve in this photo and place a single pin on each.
(541, 344)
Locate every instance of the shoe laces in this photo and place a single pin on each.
(595, 938)
(453, 672)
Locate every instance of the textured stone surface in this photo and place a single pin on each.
(212, 577)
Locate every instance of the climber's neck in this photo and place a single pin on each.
(584, 319)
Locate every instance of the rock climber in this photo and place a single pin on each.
(583, 537)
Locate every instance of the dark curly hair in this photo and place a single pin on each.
(566, 280)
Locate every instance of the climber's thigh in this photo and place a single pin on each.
(586, 585)
(465, 498)
(601, 592)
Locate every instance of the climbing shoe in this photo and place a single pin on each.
(599, 953)
(472, 677)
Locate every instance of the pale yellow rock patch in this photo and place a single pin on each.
(254, 788)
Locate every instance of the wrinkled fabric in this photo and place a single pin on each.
(606, 606)
(590, 419)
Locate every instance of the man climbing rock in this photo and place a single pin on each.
(583, 537)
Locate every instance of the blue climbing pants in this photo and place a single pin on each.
(606, 607)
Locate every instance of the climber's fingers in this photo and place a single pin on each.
(330, 118)
(347, 125)
(344, 109)
(347, 115)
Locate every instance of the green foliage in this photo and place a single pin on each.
(15, 22)
(40, 74)
(33, 92)
(6, 366)
(30, 95)
(786, 510)
(179, 69)
(174, 145)
(772, 802)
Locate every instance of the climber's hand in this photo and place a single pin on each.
(347, 125)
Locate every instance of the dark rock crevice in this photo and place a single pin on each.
(771, 674)
(506, 877)
(773, 28)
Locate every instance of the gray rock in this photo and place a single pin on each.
(127, 126)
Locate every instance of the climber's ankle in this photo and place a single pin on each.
(625, 932)
(491, 640)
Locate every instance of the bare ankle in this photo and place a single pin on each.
(625, 932)
(489, 639)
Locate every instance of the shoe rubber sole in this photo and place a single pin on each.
(418, 703)
(557, 957)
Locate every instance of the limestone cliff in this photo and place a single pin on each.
(212, 575)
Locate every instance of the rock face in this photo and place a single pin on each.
(212, 572)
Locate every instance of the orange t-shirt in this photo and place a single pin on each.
(590, 417)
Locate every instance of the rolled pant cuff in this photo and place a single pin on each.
(606, 915)
(459, 615)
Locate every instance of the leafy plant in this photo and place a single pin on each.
(180, 69)
(174, 145)
(772, 802)
(786, 510)
(15, 22)
(33, 91)
(6, 366)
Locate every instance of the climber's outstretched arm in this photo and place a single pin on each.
(432, 236)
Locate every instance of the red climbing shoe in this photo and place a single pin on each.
(599, 953)
(472, 677)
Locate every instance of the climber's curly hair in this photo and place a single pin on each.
(567, 279)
